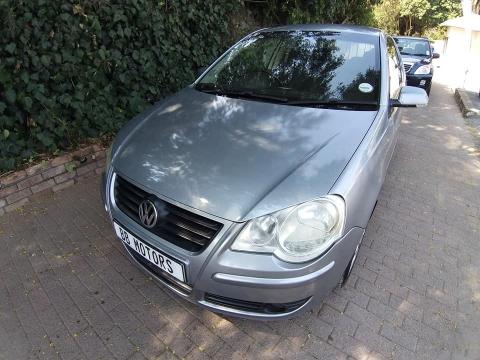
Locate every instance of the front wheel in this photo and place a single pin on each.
(348, 270)
(427, 89)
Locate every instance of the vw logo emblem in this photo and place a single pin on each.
(147, 214)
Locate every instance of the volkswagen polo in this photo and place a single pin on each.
(248, 192)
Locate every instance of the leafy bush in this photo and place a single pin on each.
(72, 70)
(436, 33)
(312, 11)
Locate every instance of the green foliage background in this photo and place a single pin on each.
(74, 70)
(314, 11)
(415, 17)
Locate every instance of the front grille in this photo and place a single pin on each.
(176, 225)
(257, 307)
(407, 67)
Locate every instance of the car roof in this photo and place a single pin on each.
(411, 37)
(326, 27)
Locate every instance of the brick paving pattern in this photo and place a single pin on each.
(68, 291)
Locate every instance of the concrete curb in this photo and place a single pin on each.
(467, 107)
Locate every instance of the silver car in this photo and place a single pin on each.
(248, 192)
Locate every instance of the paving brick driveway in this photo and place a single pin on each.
(67, 291)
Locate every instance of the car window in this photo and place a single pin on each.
(302, 66)
(394, 68)
(415, 47)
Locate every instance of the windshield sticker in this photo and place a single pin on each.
(365, 88)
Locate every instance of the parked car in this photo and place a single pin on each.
(417, 55)
(248, 192)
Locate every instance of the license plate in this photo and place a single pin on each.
(160, 260)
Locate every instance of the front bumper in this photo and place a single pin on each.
(421, 81)
(248, 285)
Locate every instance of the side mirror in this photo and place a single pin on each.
(201, 70)
(410, 96)
(435, 55)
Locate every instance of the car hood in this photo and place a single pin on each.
(412, 59)
(238, 159)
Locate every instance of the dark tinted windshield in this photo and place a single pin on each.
(417, 47)
(300, 66)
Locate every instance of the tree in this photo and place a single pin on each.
(409, 17)
(442, 10)
(387, 16)
(413, 12)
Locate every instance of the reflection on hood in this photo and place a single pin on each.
(236, 158)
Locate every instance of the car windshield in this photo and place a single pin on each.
(305, 68)
(416, 47)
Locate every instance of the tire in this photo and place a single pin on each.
(348, 269)
(427, 89)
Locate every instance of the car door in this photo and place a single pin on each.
(396, 78)
(396, 75)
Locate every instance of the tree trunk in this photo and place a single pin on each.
(476, 7)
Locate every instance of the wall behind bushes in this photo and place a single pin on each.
(72, 70)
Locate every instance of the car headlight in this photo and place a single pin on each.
(108, 158)
(297, 234)
(423, 70)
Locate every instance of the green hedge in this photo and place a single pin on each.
(72, 70)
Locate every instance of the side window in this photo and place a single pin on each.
(394, 68)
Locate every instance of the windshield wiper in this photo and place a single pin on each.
(334, 103)
(246, 94)
(404, 53)
(249, 94)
